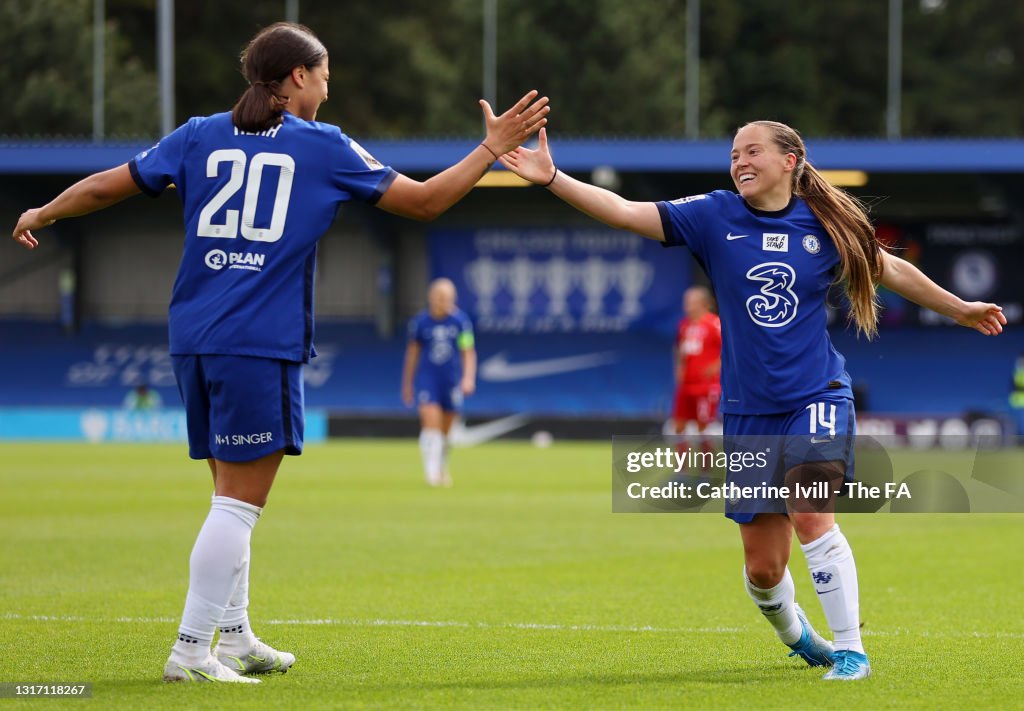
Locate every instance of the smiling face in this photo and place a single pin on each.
(762, 173)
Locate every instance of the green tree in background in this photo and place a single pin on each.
(611, 67)
(964, 68)
(46, 64)
(820, 67)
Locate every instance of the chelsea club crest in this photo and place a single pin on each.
(812, 244)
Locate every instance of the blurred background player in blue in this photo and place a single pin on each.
(772, 249)
(241, 317)
(439, 371)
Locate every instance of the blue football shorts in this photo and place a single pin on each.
(240, 408)
(439, 391)
(820, 433)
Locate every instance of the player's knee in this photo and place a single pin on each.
(251, 495)
(430, 416)
(810, 527)
(765, 573)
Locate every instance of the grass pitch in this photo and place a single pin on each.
(518, 588)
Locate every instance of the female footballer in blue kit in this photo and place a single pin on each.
(439, 370)
(772, 251)
(260, 186)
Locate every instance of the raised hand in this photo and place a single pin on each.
(508, 131)
(536, 165)
(982, 317)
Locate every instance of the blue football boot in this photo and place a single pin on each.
(848, 666)
(811, 647)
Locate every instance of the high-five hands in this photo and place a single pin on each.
(533, 165)
(508, 131)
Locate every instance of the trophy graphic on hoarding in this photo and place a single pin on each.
(482, 275)
(635, 277)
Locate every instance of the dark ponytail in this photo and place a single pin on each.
(266, 63)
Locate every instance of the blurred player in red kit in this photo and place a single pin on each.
(698, 352)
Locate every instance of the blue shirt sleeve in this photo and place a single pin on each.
(684, 222)
(154, 169)
(359, 173)
(413, 330)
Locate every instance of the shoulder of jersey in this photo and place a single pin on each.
(328, 130)
(713, 196)
(214, 122)
(720, 198)
(197, 122)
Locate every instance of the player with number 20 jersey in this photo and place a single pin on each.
(260, 186)
(255, 207)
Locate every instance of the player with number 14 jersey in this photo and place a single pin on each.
(772, 249)
(771, 271)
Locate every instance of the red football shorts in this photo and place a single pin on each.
(696, 404)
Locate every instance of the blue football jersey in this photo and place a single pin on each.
(771, 272)
(255, 207)
(441, 341)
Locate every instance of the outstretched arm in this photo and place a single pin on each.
(427, 200)
(468, 384)
(603, 205)
(90, 194)
(412, 359)
(910, 282)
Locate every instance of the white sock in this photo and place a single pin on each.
(235, 633)
(432, 449)
(834, 575)
(445, 447)
(778, 605)
(221, 549)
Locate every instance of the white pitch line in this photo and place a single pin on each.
(505, 625)
(897, 632)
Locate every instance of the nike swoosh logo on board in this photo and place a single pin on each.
(498, 369)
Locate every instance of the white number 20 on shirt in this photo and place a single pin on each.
(229, 228)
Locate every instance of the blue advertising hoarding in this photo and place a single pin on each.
(544, 280)
(114, 425)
